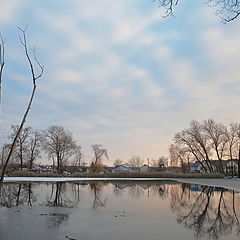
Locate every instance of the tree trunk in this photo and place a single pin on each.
(239, 162)
(34, 78)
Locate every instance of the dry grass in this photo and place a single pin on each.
(147, 175)
(21, 173)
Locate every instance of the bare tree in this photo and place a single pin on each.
(33, 147)
(59, 143)
(216, 133)
(238, 149)
(179, 157)
(78, 157)
(35, 77)
(162, 161)
(234, 143)
(99, 153)
(4, 152)
(232, 139)
(20, 149)
(135, 161)
(201, 142)
(117, 162)
(186, 142)
(154, 163)
(227, 10)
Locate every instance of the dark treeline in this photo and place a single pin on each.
(205, 141)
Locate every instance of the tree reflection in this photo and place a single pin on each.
(97, 188)
(59, 197)
(13, 195)
(55, 220)
(210, 212)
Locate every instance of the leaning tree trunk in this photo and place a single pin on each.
(2, 63)
(239, 162)
(34, 78)
(17, 135)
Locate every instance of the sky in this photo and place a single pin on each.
(119, 74)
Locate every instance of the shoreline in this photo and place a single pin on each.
(231, 184)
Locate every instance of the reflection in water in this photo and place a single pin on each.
(13, 195)
(56, 220)
(208, 212)
(58, 196)
(97, 188)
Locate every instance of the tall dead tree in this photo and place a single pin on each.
(35, 77)
(2, 63)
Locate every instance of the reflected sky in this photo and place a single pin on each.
(130, 210)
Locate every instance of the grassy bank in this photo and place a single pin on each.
(118, 175)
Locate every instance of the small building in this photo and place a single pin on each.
(144, 168)
(122, 168)
(195, 167)
(108, 169)
(217, 166)
(232, 167)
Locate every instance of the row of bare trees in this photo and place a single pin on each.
(55, 141)
(137, 162)
(204, 141)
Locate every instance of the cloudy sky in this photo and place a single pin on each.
(118, 74)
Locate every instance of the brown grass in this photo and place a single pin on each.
(21, 173)
(148, 175)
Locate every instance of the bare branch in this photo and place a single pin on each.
(227, 10)
(23, 41)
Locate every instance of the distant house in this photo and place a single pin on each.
(195, 167)
(108, 169)
(217, 167)
(122, 168)
(144, 168)
(232, 167)
(229, 166)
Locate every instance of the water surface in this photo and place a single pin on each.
(95, 210)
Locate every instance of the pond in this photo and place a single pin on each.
(129, 210)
